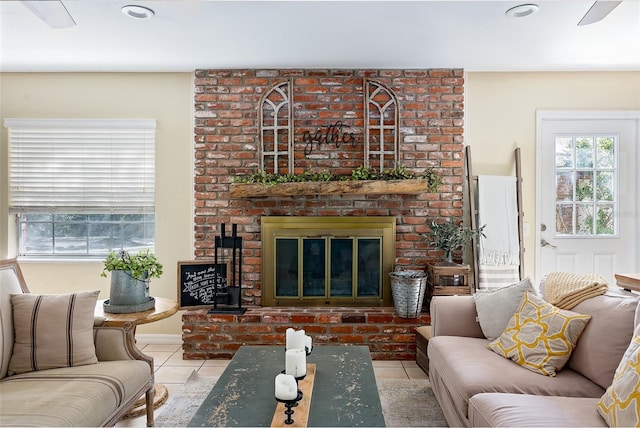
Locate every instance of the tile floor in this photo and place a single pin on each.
(173, 371)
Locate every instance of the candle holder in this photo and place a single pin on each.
(288, 404)
(298, 379)
(307, 351)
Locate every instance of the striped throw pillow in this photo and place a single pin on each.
(52, 330)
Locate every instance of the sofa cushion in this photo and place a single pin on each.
(540, 337)
(521, 410)
(606, 337)
(85, 395)
(52, 330)
(620, 404)
(496, 307)
(461, 367)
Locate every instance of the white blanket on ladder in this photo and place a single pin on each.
(499, 252)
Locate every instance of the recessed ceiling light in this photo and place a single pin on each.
(522, 10)
(137, 12)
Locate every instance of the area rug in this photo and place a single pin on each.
(405, 403)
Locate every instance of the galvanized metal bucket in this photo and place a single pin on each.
(128, 294)
(408, 288)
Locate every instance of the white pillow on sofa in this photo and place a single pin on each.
(52, 330)
(496, 307)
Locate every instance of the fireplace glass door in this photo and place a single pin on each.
(345, 267)
(327, 261)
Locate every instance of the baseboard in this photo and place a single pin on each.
(159, 339)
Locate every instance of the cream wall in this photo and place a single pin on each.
(500, 115)
(166, 97)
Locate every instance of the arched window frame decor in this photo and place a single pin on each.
(372, 89)
(372, 130)
(285, 90)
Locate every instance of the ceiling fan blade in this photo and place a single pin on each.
(599, 10)
(53, 12)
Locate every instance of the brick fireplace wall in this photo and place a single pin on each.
(430, 107)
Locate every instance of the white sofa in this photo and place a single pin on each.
(96, 394)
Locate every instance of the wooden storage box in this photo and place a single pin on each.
(423, 334)
(439, 275)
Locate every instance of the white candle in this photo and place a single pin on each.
(286, 387)
(296, 340)
(288, 335)
(308, 343)
(296, 362)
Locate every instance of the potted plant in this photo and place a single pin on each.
(448, 236)
(130, 278)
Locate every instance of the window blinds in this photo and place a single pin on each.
(81, 166)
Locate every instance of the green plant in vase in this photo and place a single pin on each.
(449, 236)
(142, 266)
(130, 277)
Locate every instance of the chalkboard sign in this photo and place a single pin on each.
(199, 282)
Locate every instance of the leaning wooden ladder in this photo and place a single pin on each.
(471, 181)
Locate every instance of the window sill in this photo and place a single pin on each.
(355, 187)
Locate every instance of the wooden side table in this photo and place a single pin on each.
(628, 281)
(164, 308)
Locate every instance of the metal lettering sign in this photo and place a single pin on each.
(335, 134)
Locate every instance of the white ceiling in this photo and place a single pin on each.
(186, 34)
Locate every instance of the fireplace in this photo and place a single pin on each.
(232, 125)
(327, 261)
(229, 132)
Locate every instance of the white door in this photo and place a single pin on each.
(587, 193)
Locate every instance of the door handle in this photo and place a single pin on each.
(545, 243)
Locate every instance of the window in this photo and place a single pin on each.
(82, 187)
(586, 185)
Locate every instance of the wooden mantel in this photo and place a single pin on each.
(352, 187)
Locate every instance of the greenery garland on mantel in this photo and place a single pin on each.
(361, 181)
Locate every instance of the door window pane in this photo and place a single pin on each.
(584, 219)
(564, 219)
(584, 186)
(605, 152)
(564, 152)
(584, 152)
(564, 186)
(604, 219)
(605, 189)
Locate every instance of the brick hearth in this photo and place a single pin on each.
(389, 337)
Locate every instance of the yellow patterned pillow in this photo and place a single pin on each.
(539, 336)
(620, 404)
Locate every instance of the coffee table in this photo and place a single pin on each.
(345, 393)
